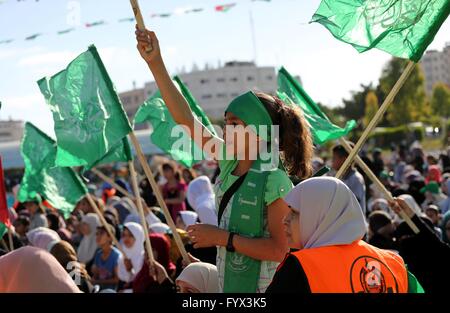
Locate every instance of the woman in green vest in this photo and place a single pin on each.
(252, 180)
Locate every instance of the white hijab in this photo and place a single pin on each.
(151, 219)
(329, 212)
(43, 237)
(159, 228)
(88, 245)
(135, 253)
(188, 217)
(200, 196)
(412, 204)
(202, 276)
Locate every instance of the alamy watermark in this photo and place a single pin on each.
(240, 142)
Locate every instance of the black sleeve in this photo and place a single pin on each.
(430, 238)
(290, 278)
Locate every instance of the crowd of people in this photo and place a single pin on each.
(245, 229)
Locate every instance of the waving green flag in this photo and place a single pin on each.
(290, 91)
(166, 135)
(88, 115)
(403, 28)
(58, 185)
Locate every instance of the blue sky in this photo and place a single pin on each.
(329, 69)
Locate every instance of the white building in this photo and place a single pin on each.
(436, 67)
(213, 88)
(11, 130)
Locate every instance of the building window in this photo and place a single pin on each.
(204, 81)
(207, 96)
(221, 80)
(221, 95)
(234, 94)
(269, 77)
(250, 78)
(234, 79)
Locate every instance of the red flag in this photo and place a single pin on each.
(4, 213)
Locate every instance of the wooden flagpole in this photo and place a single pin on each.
(4, 245)
(373, 123)
(139, 19)
(157, 192)
(141, 211)
(10, 239)
(113, 183)
(378, 184)
(104, 222)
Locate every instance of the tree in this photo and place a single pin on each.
(440, 100)
(371, 107)
(354, 108)
(410, 103)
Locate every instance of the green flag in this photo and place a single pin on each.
(60, 186)
(403, 28)
(322, 130)
(179, 144)
(88, 115)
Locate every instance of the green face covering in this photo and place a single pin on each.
(248, 108)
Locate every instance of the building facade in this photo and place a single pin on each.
(131, 101)
(213, 88)
(11, 130)
(436, 67)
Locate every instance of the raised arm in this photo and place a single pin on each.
(173, 98)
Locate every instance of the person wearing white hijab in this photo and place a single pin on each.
(43, 237)
(198, 277)
(133, 246)
(159, 228)
(412, 204)
(150, 218)
(88, 245)
(326, 226)
(200, 196)
(186, 219)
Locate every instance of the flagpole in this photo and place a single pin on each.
(10, 238)
(375, 120)
(157, 192)
(379, 185)
(113, 183)
(139, 20)
(4, 245)
(252, 30)
(104, 222)
(141, 211)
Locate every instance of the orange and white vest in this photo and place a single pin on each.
(355, 268)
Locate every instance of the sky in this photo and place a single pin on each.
(329, 69)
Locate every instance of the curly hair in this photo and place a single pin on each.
(296, 142)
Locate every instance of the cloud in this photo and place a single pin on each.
(48, 58)
(31, 107)
(15, 52)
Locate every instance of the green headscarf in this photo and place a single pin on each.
(248, 108)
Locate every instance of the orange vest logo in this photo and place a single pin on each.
(370, 275)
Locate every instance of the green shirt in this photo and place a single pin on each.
(277, 186)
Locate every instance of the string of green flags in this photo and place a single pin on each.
(221, 8)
